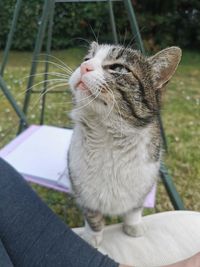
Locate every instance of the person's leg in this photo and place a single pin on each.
(33, 235)
(4, 258)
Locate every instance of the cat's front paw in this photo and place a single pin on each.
(93, 239)
(136, 230)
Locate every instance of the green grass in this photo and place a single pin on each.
(181, 117)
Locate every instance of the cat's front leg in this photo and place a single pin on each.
(133, 225)
(94, 224)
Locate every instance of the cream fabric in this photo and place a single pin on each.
(169, 237)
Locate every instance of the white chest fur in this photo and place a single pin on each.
(111, 174)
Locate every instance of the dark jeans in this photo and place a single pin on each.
(32, 235)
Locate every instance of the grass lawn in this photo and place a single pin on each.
(181, 117)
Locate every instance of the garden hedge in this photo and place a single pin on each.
(162, 23)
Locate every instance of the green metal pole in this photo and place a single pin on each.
(48, 51)
(13, 103)
(10, 36)
(37, 49)
(164, 139)
(38, 46)
(134, 25)
(112, 21)
(171, 190)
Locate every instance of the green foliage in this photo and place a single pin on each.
(165, 23)
(72, 21)
(27, 23)
(162, 23)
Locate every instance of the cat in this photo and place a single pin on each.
(115, 152)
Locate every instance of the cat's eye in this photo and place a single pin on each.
(118, 68)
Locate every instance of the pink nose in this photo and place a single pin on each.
(86, 67)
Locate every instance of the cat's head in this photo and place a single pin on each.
(113, 78)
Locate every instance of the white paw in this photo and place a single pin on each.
(136, 230)
(93, 238)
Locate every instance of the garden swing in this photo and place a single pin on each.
(46, 24)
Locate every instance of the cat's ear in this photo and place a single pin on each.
(164, 65)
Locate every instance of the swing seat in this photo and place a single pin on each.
(170, 237)
(40, 154)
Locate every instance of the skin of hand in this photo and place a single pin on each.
(193, 261)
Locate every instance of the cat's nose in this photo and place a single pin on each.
(86, 67)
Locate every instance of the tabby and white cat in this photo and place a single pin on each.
(115, 152)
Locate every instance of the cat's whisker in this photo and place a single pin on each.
(59, 60)
(87, 103)
(42, 82)
(99, 31)
(83, 39)
(95, 36)
(130, 42)
(64, 66)
(57, 74)
(125, 35)
(70, 102)
(53, 87)
(82, 100)
(35, 85)
(55, 64)
(98, 79)
(47, 81)
(79, 108)
(45, 92)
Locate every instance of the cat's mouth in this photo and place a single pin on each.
(82, 86)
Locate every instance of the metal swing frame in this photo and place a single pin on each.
(47, 21)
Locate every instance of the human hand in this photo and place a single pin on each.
(193, 261)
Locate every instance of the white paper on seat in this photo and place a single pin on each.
(42, 154)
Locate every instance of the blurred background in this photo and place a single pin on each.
(162, 24)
